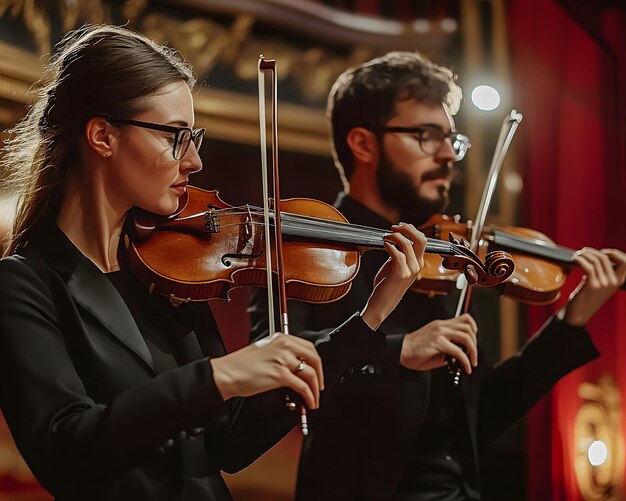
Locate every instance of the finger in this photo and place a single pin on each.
(314, 363)
(418, 243)
(309, 376)
(467, 318)
(417, 237)
(394, 255)
(607, 268)
(305, 350)
(397, 261)
(590, 264)
(466, 340)
(312, 358)
(404, 245)
(407, 263)
(619, 259)
(456, 352)
(617, 256)
(301, 387)
(467, 325)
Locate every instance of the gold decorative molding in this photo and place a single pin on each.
(598, 422)
(35, 15)
(226, 115)
(333, 25)
(20, 63)
(19, 69)
(233, 44)
(234, 117)
(206, 43)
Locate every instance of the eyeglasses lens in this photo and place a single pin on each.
(198, 136)
(180, 148)
(430, 141)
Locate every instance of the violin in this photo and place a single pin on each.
(541, 266)
(209, 247)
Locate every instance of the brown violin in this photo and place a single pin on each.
(210, 247)
(541, 266)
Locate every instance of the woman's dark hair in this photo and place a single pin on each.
(365, 96)
(96, 71)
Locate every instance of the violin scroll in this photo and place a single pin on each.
(498, 265)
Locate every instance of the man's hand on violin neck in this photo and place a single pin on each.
(427, 347)
(605, 272)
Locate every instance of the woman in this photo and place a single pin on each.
(110, 392)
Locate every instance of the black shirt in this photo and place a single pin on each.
(441, 466)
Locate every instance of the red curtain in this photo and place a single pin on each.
(570, 86)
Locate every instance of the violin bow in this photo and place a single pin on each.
(507, 131)
(270, 65)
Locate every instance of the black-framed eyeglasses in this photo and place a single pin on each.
(430, 139)
(182, 135)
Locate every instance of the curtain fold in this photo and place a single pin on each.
(570, 85)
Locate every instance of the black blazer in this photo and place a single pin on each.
(90, 412)
(361, 442)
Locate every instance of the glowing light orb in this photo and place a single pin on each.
(597, 453)
(485, 98)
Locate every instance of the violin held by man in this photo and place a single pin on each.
(408, 433)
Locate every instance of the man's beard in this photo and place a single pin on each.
(396, 189)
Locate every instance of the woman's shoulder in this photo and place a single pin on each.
(12, 263)
(24, 268)
(18, 265)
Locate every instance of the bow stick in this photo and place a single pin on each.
(270, 65)
(509, 126)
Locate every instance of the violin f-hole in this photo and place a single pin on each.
(225, 259)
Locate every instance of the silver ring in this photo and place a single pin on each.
(300, 366)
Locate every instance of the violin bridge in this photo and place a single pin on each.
(212, 224)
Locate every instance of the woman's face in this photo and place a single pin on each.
(143, 170)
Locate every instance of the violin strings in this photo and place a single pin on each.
(324, 229)
(533, 246)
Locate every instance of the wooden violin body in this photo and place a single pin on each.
(541, 267)
(211, 247)
(204, 257)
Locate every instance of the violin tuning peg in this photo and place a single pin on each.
(471, 275)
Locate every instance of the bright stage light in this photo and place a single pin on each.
(485, 98)
(597, 453)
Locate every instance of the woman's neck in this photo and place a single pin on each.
(89, 219)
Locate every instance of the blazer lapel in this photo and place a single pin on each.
(94, 292)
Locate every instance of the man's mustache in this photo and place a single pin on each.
(442, 172)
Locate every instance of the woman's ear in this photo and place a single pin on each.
(98, 133)
(364, 145)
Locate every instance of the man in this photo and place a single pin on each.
(406, 432)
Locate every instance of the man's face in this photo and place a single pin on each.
(409, 179)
